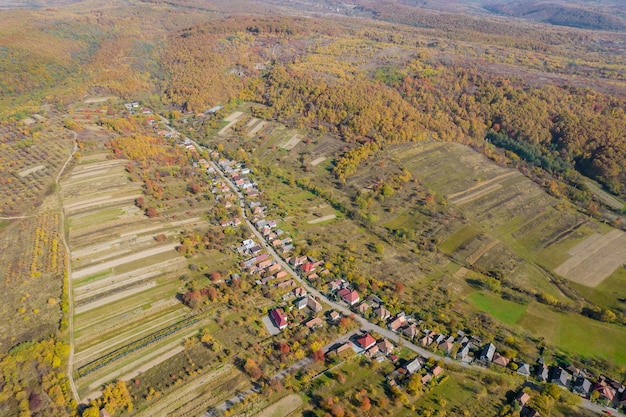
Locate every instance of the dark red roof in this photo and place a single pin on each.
(308, 267)
(279, 317)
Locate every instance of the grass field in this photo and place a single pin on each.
(506, 311)
(283, 407)
(576, 334)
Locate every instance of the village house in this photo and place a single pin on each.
(523, 369)
(500, 360)
(385, 347)
(411, 331)
(313, 305)
(299, 292)
(413, 366)
(351, 297)
(582, 386)
(314, 322)
(526, 411)
(279, 318)
(381, 313)
(363, 307)
(559, 376)
(426, 340)
(522, 398)
(398, 322)
(487, 352)
(365, 342)
(446, 347)
(334, 316)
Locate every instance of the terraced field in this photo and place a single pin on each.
(126, 315)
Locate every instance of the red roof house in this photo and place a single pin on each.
(366, 341)
(279, 318)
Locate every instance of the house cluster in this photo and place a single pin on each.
(237, 173)
(261, 265)
(416, 366)
(364, 344)
(521, 399)
(605, 390)
(134, 107)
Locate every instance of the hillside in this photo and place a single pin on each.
(442, 176)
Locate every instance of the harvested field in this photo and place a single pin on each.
(283, 407)
(127, 259)
(318, 161)
(256, 129)
(595, 258)
(121, 294)
(292, 142)
(232, 119)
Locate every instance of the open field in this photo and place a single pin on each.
(594, 259)
(601, 340)
(505, 311)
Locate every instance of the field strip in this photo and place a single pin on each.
(588, 244)
(482, 184)
(102, 203)
(460, 274)
(318, 161)
(107, 300)
(127, 259)
(471, 197)
(117, 281)
(256, 129)
(101, 247)
(282, 407)
(474, 257)
(99, 165)
(82, 201)
(155, 269)
(596, 263)
(122, 339)
(186, 221)
(29, 171)
(129, 315)
(322, 219)
(100, 178)
(232, 118)
(173, 346)
(251, 122)
(120, 334)
(162, 405)
(291, 143)
(99, 99)
(154, 362)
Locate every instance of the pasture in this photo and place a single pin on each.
(506, 311)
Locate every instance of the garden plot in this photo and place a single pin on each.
(595, 258)
(291, 143)
(256, 129)
(232, 119)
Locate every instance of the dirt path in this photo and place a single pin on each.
(483, 184)
(68, 272)
(322, 219)
(120, 261)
